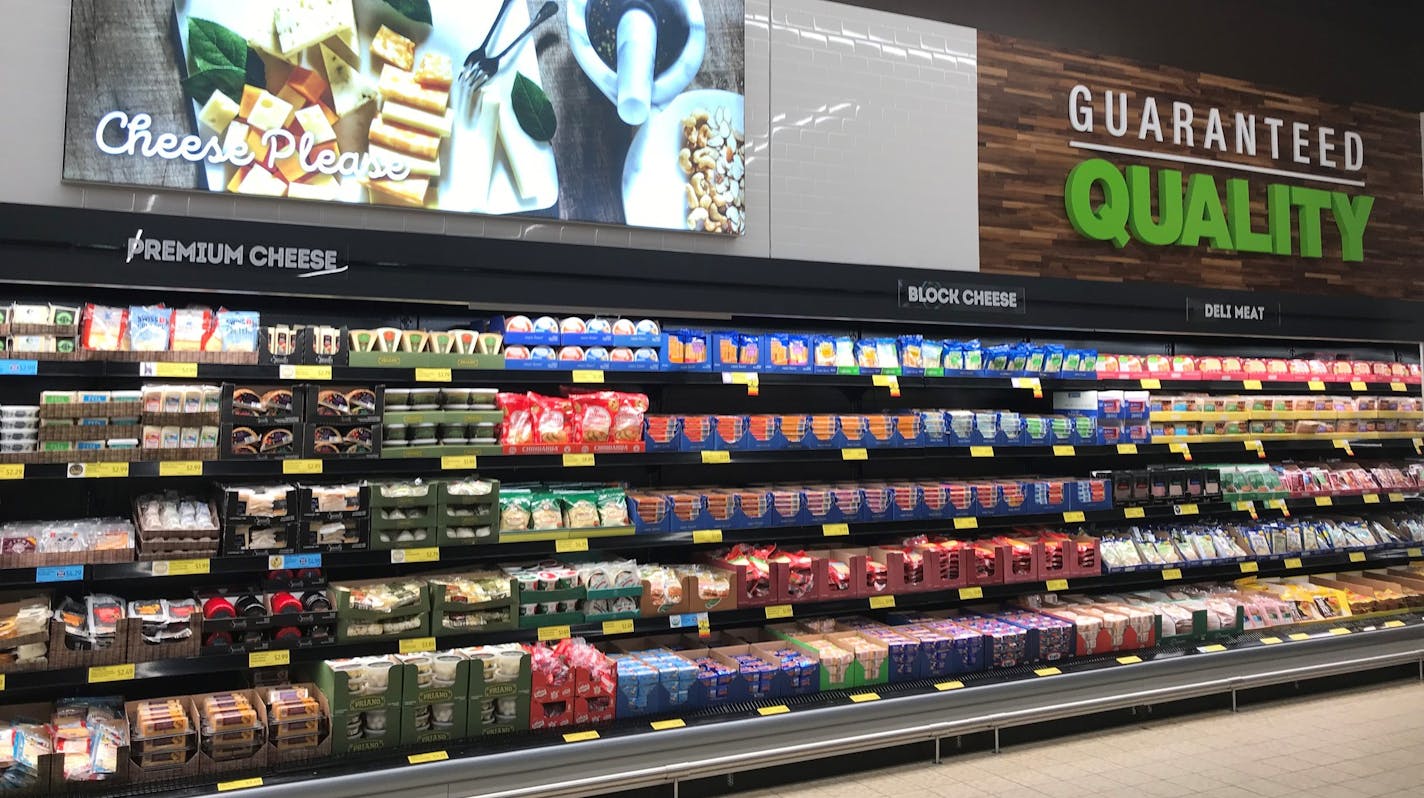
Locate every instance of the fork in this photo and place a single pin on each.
(480, 67)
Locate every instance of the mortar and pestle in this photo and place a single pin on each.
(640, 53)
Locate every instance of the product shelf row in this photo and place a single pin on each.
(706, 622)
(1353, 444)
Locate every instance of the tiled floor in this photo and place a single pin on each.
(1355, 744)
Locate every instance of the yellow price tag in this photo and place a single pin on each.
(981, 451)
(1047, 672)
(1064, 451)
(464, 462)
(1292, 563)
(570, 545)
(835, 530)
(269, 659)
(12, 471)
(111, 673)
(1299, 636)
(1345, 445)
(1270, 641)
(621, 627)
(417, 645)
(578, 460)
(1171, 574)
(1396, 497)
(1370, 498)
(580, 737)
(240, 784)
(776, 611)
(1211, 649)
(1251, 385)
(855, 454)
(1393, 624)
(1151, 384)
(1127, 448)
(1187, 509)
(716, 457)
(1255, 446)
(1324, 501)
(1415, 552)
(971, 593)
(1358, 386)
(1339, 630)
(425, 759)
(1316, 385)
(882, 602)
(1057, 584)
(304, 372)
(434, 375)
(1183, 449)
(1357, 556)
(181, 567)
(588, 376)
(1398, 387)
(428, 554)
(779, 709)
(861, 698)
(1129, 660)
(707, 536)
(966, 523)
(954, 685)
(180, 468)
(2, 679)
(99, 470)
(548, 633)
(182, 371)
(1074, 517)
(664, 725)
(302, 466)
(1134, 512)
(1250, 567)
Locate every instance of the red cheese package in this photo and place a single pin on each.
(594, 412)
(518, 427)
(554, 420)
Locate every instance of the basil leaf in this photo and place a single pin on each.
(228, 80)
(213, 46)
(533, 109)
(413, 10)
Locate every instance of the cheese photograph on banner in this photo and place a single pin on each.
(466, 106)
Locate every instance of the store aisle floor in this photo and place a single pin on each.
(1354, 744)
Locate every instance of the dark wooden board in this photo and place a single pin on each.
(136, 39)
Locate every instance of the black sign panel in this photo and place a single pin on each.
(936, 295)
(1235, 315)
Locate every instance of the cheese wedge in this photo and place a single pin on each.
(271, 112)
(400, 192)
(421, 145)
(393, 48)
(526, 158)
(262, 183)
(435, 71)
(308, 84)
(482, 148)
(313, 120)
(319, 187)
(424, 121)
(399, 85)
(219, 112)
(349, 89)
(419, 167)
(306, 23)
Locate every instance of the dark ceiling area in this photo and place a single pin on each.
(1339, 50)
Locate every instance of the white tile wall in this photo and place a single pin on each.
(874, 145)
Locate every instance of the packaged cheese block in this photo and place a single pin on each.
(219, 112)
(435, 71)
(349, 90)
(399, 85)
(409, 192)
(306, 23)
(419, 167)
(424, 121)
(393, 48)
(421, 145)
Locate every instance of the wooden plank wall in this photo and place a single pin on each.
(1024, 159)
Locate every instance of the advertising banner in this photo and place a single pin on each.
(626, 112)
(1100, 168)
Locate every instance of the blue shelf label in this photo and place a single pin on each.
(296, 561)
(19, 368)
(60, 573)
